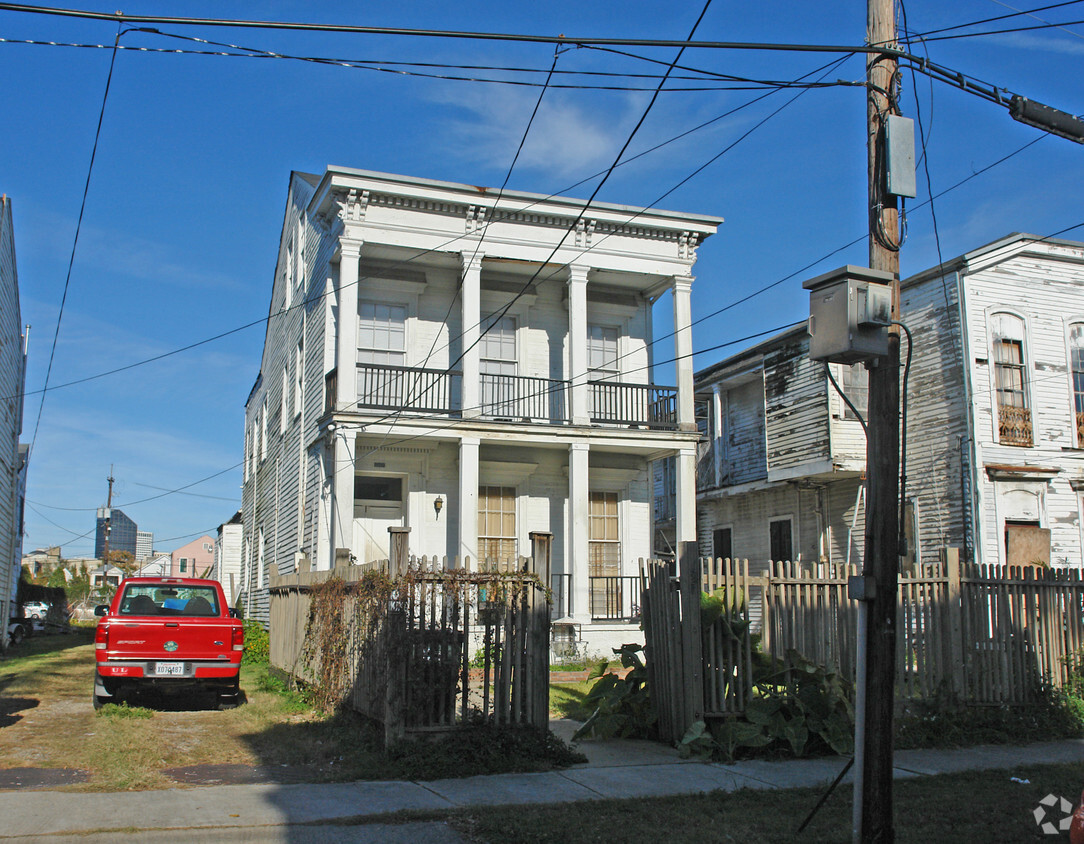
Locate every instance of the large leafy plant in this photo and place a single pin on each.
(622, 705)
(798, 708)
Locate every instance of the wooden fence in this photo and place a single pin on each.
(980, 634)
(454, 645)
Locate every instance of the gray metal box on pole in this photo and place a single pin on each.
(850, 310)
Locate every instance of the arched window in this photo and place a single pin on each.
(1013, 412)
(1076, 365)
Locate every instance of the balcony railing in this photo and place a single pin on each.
(614, 598)
(1080, 430)
(1014, 425)
(508, 397)
(633, 404)
(408, 388)
(523, 399)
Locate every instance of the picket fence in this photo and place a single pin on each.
(455, 647)
(979, 634)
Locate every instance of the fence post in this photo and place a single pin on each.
(539, 665)
(342, 557)
(398, 538)
(692, 645)
(542, 555)
(950, 558)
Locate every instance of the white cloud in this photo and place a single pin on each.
(566, 137)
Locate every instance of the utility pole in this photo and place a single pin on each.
(108, 520)
(873, 782)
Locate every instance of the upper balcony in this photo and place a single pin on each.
(507, 398)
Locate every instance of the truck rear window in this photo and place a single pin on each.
(156, 599)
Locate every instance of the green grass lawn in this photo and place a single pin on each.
(566, 700)
(985, 806)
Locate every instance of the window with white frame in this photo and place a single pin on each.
(1076, 365)
(855, 383)
(382, 333)
(263, 429)
(498, 366)
(497, 539)
(300, 271)
(1010, 381)
(602, 360)
(299, 375)
(261, 560)
(284, 394)
(604, 553)
(780, 541)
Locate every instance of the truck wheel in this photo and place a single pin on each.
(100, 700)
(230, 696)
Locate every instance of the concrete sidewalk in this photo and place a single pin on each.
(616, 769)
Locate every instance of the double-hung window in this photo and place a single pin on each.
(602, 365)
(497, 352)
(382, 344)
(497, 522)
(1076, 365)
(1010, 382)
(604, 554)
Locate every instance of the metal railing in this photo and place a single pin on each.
(633, 404)
(614, 598)
(524, 399)
(560, 588)
(408, 388)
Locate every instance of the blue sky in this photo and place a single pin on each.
(180, 231)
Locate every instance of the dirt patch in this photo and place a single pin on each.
(22, 778)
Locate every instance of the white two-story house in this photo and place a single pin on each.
(474, 365)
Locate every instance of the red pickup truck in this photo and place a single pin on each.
(167, 633)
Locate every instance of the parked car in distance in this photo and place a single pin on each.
(167, 633)
(35, 609)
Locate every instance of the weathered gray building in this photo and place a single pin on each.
(996, 401)
(13, 455)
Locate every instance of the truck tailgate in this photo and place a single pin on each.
(192, 639)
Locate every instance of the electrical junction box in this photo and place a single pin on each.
(900, 156)
(850, 310)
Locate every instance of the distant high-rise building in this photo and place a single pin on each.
(122, 532)
(144, 545)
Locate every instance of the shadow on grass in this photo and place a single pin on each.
(43, 644)
(181, 700)
(347, 746)
(11, 707)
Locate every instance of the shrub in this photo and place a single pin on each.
(123, 710)
(257, 645)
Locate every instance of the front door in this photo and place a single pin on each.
(379, 503)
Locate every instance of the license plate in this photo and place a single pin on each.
(169, 668)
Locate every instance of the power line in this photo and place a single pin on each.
(396, 67)
(559, 40)
(75, 243)
(921, 35)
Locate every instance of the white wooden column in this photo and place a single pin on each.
(685, 494)
(579, 394)
(471, 304)
(718, 446)
(346, 343)
(468, 499)
(683, 348)
(578, 532)
(344, 453)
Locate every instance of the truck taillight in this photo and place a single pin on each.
(101, 638)
(238, 638)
